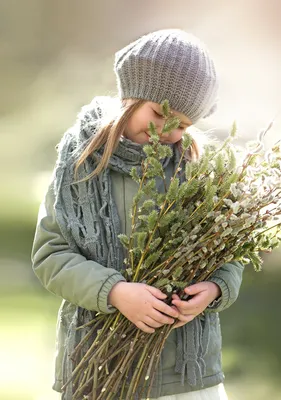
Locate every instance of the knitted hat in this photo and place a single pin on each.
(169, 64)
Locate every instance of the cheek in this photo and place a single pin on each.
(176, 136)
(130, 126)
(135, 125)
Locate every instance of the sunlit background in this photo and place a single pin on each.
(55, 57)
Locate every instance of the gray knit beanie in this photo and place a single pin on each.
(169, 64)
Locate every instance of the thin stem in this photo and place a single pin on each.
(95, 382)
(131, 387)
(139, 368)
(124, 383)
(88, 353)
(271, 227)
(90, 322)
(84, 340)
(167, 330)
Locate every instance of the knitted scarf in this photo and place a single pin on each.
(87, 216)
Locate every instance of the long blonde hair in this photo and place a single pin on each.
(109, 135)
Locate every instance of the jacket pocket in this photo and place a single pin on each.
(214, 344)
(169, 351)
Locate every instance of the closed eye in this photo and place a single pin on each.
(161, 116)
(158, 115)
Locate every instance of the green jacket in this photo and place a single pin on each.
(86, 283)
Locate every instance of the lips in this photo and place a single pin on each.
(147, 136)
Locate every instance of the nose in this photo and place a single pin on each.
(164, 135)
(159, 127)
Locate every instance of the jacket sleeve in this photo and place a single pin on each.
(65, 273)
(229, 279)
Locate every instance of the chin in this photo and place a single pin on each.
(143, 138)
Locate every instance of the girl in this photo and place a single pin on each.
(76, 253)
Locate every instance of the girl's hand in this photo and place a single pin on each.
(142, 305)
(203, 294)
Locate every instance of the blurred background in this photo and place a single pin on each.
(55, 57)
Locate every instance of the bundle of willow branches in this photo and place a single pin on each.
(213, 211)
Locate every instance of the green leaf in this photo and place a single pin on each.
(191, 169)
(165, 108)
(153, 133)
(124, 240)
(156, 164)
(226, 183)
(179, 284)
(186, 141)
(160, 199)
(233, 130)
(220, 167)
(137, 253)
(209, 197)
(171, 124)
(174, 242)
(169, 288)
(152, 219)
(141, 239)
(135, 175)
(152, 172)
(173, 190)
(177, 273)
(175, 227)
(152, 129)
(138, 196)
(143, 217)
(155, 243)
(188, 171)
(149, 150)
(164, 151)
(152, 258)
(256, 260)
(167, 218)
(148, 204)
(162, 282)
(188, 189)
(203, 164)
(208, 184)
(149, 187)
(231, 159)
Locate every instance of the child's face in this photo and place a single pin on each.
(137, 126)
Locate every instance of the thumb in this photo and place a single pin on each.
(156, 292)
(194, 289)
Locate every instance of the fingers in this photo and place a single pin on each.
(156, 292)
(192, 306)
(142, 326)
(161, 318)
(186, 318)
(193, 302)
(152, 323)
(186, 309)
(183, 319)
(188, 305)
(196, 288)
(164, 308)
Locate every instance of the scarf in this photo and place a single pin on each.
(87, 216)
